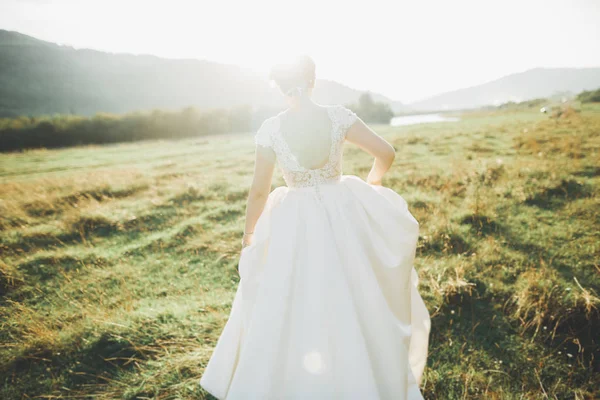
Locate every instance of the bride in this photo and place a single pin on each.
(327, 306)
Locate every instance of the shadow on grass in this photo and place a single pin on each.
(10, 279)
(100, 360)
(225, 214)
(443, 243)
(483, 225)
(559, 195)
(43, 209)
(48, 267)
(86, 227)
(191, 195)
(91, 364)
(569, 323)
(588, 171)
(470, 331)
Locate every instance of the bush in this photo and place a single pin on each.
(372, 111)
(589, 96)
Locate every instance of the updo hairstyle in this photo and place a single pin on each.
(295, 77)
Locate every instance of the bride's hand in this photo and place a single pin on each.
(247, 240)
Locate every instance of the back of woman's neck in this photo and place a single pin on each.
(301, 103)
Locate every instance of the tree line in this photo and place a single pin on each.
(70, 130)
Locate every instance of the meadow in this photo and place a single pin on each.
(118, 261)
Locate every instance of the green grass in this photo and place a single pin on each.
(119, 262)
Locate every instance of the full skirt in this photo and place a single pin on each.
(327, 306)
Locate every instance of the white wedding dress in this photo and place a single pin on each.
(327, 305)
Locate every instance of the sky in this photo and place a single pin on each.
(406, 50)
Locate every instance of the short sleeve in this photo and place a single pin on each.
(346, 118)
(263, 135)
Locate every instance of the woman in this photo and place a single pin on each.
(327, 306)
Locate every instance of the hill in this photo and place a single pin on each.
(531, 84)
(38, 77)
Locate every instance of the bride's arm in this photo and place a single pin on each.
(365, 138)
(259, 190)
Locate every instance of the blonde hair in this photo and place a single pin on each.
(294, 77)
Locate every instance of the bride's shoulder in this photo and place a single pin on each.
(265, 132)
(343, 114)
(270, 124)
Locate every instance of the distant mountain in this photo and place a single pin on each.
(38, 77)
(531, 84)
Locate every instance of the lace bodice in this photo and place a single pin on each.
(294, 174)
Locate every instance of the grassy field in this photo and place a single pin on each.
(118, 262)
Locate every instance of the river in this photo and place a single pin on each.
(420, 119)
